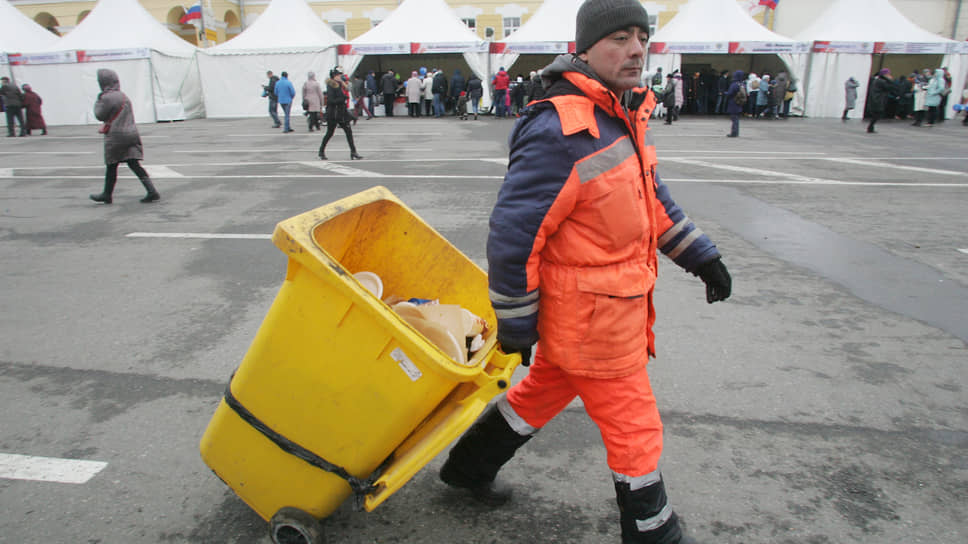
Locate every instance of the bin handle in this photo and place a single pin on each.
(360, 486)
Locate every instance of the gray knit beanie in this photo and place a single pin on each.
(599, 18)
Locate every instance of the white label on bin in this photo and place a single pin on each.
(406, 364)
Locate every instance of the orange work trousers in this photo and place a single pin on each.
(623, 408)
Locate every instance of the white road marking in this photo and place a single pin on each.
(963, 250)
(48, 469)
(48, 152)
(503, 161)
(284, 176)
(6, 172)
(158, 171)
(202, 235)
(896, 166)
(815, 181)
(733, 168)
(342, 170)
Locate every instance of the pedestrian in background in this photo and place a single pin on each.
(269, 91)
(850, 96)
(13, 103)
(414, 94)
(372, 90)
(388, 87)
(457, 85)
(572, 262)
(285, 92)
(500, 83)
(358, 92)
(35, 119)
(877, 101)
(427, 84)
(122, 143)
(475, 90)
(312, 99)
(920, 91)
(933, 100)
(337, 114)
(734, 106)
(669, 98)
(440, 93)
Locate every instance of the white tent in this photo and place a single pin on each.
(550, 31)
(722, 27)
(420, 27)
(287, 36)
(19, 33)
(157, 69)
(845, 36)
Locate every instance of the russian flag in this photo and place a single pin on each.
(769, 3)
(194, 12)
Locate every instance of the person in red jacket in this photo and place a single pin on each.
(572, 259)
(501, 82)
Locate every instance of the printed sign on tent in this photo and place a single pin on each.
(417, 48)
(843, 47)
(59, 57)
(689, 47)
(768, 47)
(113, 54)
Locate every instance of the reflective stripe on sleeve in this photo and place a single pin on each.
(511, 313)
(668, 235)
(604, 160)
(685, 243)
(498, 298)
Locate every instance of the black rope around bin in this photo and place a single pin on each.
(360, 487)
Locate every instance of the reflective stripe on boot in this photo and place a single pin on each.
(482, 451)
(646, 516)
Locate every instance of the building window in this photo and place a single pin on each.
(374, 22)
(510, 25)
(653, 21)
(339, 28)
(471, 23)
(488, 32)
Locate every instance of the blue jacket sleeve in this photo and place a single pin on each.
(537, 171)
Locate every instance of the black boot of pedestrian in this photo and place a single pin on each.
(105, 196)
(349, 139)
(475, 461)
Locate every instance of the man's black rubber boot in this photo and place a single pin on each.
(475, 461)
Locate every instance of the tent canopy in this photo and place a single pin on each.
(717, 26)
(286, 26)
(122, 24)
(19, 33)
(419, 26)
(553, 21)
(866, 21)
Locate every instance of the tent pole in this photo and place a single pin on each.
(151, 78)
(954, 31)
(805, 84)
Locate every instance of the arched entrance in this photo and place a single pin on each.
(47, 21)
(233, 26)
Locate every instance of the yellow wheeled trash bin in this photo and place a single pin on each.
(338, 395)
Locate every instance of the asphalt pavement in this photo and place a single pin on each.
(824, 402)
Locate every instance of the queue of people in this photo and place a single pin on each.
(921, 97)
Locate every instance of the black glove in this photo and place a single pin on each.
(718, 283)
(511, 347)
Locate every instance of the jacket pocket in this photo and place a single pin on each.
(612, 210)
(615, 305)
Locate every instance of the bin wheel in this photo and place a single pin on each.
(294, 526)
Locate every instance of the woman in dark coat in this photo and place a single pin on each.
(121, 139)
(35, 120)
(880, 89)
(336, 112)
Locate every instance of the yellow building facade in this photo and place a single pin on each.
(224, 19)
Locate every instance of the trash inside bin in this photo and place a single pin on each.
(338, 393)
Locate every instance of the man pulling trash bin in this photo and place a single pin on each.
(572, 256)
